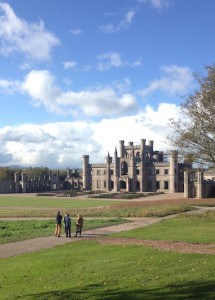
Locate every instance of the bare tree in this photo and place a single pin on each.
(195, 129)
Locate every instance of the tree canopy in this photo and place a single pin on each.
(194, 132)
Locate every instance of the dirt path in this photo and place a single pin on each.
(101, 235)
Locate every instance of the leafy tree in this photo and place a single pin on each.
(195, 129)
(6, 174)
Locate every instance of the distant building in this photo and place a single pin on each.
(137, 168)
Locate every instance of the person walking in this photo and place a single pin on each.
(79, 225)
(67, 225)
(58, 220)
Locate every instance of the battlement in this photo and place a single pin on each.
(98, 165)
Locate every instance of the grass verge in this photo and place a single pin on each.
(184, 228)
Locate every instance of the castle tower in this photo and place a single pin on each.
(142, 169)
(133, 173)
(151, 144)
(173, 172)
(199, 184)
(86, 172)
(186, 184)
(121, 148)
(108, 181)
(116, 168)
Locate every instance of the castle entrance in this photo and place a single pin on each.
(122, 185)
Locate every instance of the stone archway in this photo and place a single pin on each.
(123, 185)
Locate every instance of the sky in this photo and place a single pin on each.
(77, 76)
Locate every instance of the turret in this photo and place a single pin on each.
(86, 172)
(121, 148)
(108, 179)
(173, 171)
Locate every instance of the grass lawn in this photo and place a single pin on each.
(139, 210)
(11, 231)
(187, 228)
(88, 270)
(52, 202)
(48, 206)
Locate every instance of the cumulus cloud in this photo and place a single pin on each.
(102, 101)
(175, 80)
(17, 35)
(124, 23)
(63, 144)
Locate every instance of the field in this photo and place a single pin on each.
(95, 269)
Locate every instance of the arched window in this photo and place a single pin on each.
(122, 185)
(124, 168)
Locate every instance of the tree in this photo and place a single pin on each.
(194, 132)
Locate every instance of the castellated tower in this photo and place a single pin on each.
(86, 172)
(173, 172)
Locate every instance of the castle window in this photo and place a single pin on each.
(157, 171)
(138, 154)
(104, 172)
(166, 171)
(98, 172)
(157, 185)
(124, 168)
(166, 185)
(98, 184)
(138, 171)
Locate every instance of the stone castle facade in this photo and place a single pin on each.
(136, 168)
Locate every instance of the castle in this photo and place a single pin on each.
(137, 168)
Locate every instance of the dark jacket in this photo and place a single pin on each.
(58, 219)
(67, 221)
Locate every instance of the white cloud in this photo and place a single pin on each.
(69, 64)
(9, 86)
(175, 80)
(17, 35)
(76, 31)
(124, 23)
(108, 60)
(113, 59)
(156, 4)
(102, 101)
(63, 144)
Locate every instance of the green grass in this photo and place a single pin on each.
(87, 270)
(186, 228)
(52, 202)
(139, 210)
(11, 231)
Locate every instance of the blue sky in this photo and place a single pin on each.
(78, 76)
